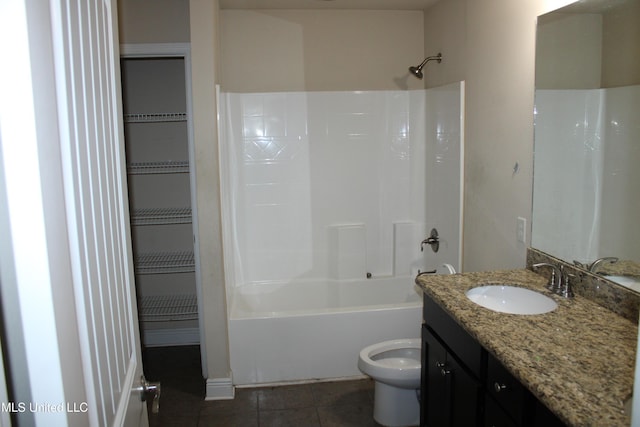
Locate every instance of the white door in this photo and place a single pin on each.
(65, 255)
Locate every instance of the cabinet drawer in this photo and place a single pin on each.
(467, 349)
(507, 391)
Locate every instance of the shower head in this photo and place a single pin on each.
(417, 71)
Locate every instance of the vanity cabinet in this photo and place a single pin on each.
(464, 385)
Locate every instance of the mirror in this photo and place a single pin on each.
(586, 190)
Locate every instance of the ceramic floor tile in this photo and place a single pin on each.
(347, 416)
(342, 392)
(298, 417)
(285, 397)
(330, 404)
(247, 419)
(177, 402)
(245, 401)
(173, 422)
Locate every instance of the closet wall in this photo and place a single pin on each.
(157, 145)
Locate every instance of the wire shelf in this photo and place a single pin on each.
(161, 216)
(164, 308)
(154, 117)
(145, 168)
(165, 262)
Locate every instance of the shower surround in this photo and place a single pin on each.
(333, 187)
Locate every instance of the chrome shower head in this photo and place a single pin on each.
(417, 71)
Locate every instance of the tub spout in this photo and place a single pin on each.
(422, 273)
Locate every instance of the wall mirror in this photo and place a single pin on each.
(586, 191)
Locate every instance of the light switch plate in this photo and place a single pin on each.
(521, 229)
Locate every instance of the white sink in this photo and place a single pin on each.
(511, 299)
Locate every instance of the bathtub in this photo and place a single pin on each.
(291, 332)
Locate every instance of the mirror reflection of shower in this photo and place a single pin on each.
(417, 71)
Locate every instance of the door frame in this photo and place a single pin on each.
(181, 50)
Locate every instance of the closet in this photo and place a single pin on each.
(157, 148)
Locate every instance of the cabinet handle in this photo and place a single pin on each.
(499, 387)
(443, 371)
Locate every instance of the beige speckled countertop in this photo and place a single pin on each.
(578, 360)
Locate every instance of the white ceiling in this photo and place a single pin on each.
(328, 4)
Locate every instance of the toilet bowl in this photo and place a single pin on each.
(395, 367)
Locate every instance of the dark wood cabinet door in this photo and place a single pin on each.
(436, 398)
(465, 394)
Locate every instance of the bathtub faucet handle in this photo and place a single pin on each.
(433, 240)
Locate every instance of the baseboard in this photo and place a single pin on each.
(219, 389)
(170, 337)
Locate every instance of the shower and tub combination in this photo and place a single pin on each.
(326, 199)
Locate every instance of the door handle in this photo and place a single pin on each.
(150, 390)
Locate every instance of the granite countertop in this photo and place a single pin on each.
(622, 268)
(579, 360)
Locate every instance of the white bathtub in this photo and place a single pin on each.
(309, 330)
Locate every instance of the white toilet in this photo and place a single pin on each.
(395, 367)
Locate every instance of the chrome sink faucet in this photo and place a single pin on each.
(553, 282)
(559, 282)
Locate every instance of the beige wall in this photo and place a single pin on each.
(571, 45)
(445, 31)
(204, 57)
(589, 50)
(499, 131)
(621, 50)
(157, 21)
(315, 50)
(497, 63)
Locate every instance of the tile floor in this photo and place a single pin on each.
(324, 404)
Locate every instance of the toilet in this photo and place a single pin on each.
(395, 367)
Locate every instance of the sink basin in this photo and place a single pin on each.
(511, 299)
